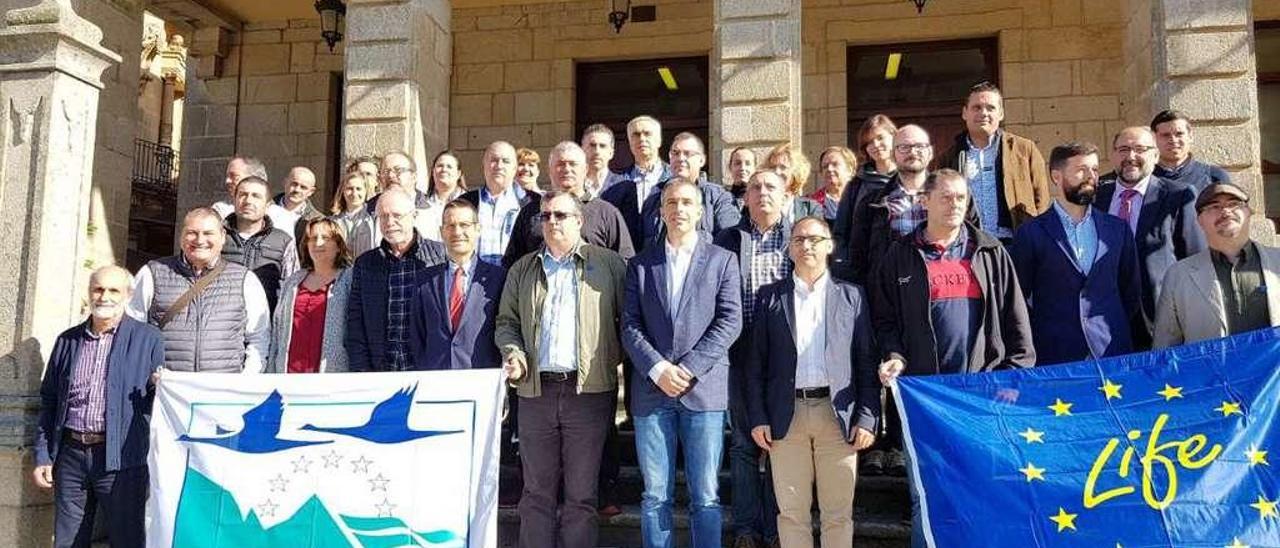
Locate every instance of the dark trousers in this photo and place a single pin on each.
(611, 459)
(81, 483)
(561, 438)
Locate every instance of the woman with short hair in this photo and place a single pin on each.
(310, 320)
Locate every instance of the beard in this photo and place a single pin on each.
(105, 311)
(1082, 195)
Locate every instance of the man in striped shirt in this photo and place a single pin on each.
(92, 439)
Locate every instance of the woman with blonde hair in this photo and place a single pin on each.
(348, 202)
(835, 171)
(793, 166)
(310, 321)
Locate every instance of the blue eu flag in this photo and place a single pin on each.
(1176, 447)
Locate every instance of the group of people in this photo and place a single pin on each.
(783, 315)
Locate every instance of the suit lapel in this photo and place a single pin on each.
(1059, 235)
(836, 332)
(1104, 239)
(439, 297)
(1206, 281)
(661, 272)
(471, 304)
(1151, 203)
(788, 297)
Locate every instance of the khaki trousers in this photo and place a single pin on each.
(814, 450)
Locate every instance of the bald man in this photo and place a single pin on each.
(498, 201)
(95, 404)
(299, 187)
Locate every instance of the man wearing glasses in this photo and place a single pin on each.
(1160, 213)
(398, 172)
(557, 330)
(812, 391)
(1229, 288)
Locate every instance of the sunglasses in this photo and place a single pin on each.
(547, 216)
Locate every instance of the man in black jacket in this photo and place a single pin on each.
(255, 242)
(946, 299)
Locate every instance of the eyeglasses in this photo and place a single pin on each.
(558, 216)
(397, 217)
(1138, 149)
(808, 240)
(908, 148)
(1219, 207)
(397, 171)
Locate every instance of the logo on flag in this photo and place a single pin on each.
(335, 460)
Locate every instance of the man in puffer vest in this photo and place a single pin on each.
(212, 312)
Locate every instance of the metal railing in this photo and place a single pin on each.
(154, 168)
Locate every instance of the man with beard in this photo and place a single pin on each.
(1160, 213)
(1079, 269)
(1227, 289)
(95, 404)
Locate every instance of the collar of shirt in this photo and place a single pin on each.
(88, 330)
(389, 252)
(467, 269)
(991, 144)
(514, 192)
(819, 286)
(192, 267)
(685, 249)
(1066, 218)
(768, 232)
(547, 257)
(1248, 254)
(959, 249)
(1141, 187)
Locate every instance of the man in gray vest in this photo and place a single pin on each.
(254, 242)
(213, 313)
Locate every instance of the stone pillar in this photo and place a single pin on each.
(1202, 63)
(398, 64)
(51, 66)
(755, 77)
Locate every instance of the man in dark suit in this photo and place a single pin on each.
(451, 317)
(95, 409)
(384, 281)
(1161, 214)
(812, 391)
(683, 309)
(1079, 269)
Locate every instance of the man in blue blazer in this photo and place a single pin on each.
(95, 411)
(812, 392)
(451, 317)
(1079, 269)
(683, 309)
(1161, 214)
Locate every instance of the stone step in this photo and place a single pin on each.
(623, 530)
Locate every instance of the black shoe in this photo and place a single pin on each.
(896, 463)
(872, 463)
(747, 541)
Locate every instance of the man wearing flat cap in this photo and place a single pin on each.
(1232, 287)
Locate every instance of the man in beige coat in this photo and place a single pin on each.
(1233, 287)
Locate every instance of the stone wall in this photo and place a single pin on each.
(513, 73)
(1060, 63)
(275, 97)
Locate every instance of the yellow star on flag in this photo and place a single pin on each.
(1112, 390)
(1035, 436)
(1060, 407)
(1229, 408)
(1266, 508)
(1235, 543)
(1256, 456)
(1064, 520)
(1171, 392)
(1032, 472)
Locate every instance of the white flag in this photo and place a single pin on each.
(367, 460)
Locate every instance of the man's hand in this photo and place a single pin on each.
(674, 380)
(889, 371)
(43, 476)
(155, 376)
(513, 367)
(763, 436)
(862, 438)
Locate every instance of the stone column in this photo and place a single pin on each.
(51, 64)
(755, 77)
(398, 64)
(1202, 63)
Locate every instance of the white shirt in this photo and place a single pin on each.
(678, 260)
(257, 327)
(811, 334)
(1135, 205)
(648, 182)
(281, 218)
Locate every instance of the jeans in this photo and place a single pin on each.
(755, 508)
(701, 434)
(81, 482)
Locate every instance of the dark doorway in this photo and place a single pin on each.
(921, 83)
(673, 90)
(1267, 45)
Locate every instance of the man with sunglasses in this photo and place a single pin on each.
(1160, 213)
(1233, 287)
(557, 330)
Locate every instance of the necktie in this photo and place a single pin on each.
(1126, 205)
(455, 299)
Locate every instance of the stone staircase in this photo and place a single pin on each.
(881, 507)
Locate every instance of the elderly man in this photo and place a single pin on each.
(812, 391)
(254, 242)
(92, 438)
(597, 142)
(383, 282)
(1160, 214)
(498, 201)
(1174, 139)
(683, 311)
(1007, 173)
(213, 313)
(1226, 289)
(602, 224)
(557, 329)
